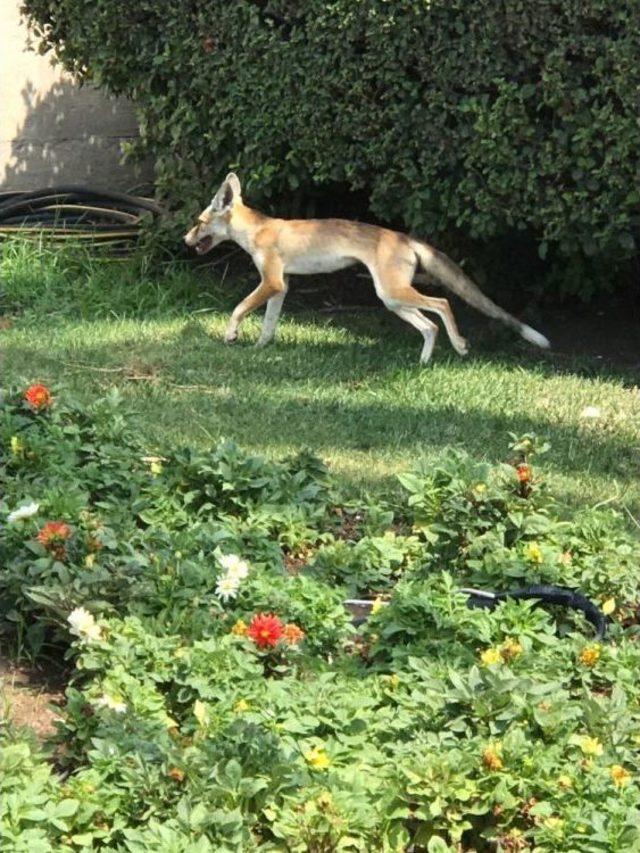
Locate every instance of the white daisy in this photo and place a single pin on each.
(234, 566)
(24, 511)
(112, 702)
(83, 625)
(227, 587)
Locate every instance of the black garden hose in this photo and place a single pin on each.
(547, 594)
(361, 608)
(69, 212)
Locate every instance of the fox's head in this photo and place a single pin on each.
(212, 226)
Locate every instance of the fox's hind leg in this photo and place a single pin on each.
(396, 292)
(410, 298)
(392, 276)
(428, 330)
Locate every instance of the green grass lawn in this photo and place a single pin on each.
(346, 385)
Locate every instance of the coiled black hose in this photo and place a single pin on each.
(69, 212)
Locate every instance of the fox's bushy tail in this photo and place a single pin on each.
(452, 277)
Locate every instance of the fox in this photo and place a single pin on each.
(283, 247)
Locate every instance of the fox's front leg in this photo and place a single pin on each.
(272, 315)
(254, 300)
(272, 284)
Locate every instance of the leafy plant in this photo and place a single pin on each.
(217, 702)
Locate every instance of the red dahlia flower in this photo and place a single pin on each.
(38, 397)
(265, 630)
(53, 536)
(54, 531)
(524, 472)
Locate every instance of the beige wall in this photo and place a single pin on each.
(52, 131)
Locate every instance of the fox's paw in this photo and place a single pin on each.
(231, 337)
(461, 346)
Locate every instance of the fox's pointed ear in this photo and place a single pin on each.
(228, 193)
(234, 182)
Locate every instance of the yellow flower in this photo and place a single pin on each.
(156, 468)
(377, 605)
(241, 706)
(394, 681)
(200, 712)
(590, 746)
(480, 488)
(89, 560)
(532, 552)
(554, 823)
(324, 800)
(609, 606)
(317, 758)
(491, 657)
(510, 649)
(590, 655)
(491, 758)
(515, 835)
(17, 445)
(565, 782)
(240, 628)
(619, 775)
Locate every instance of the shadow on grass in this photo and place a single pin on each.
(489, 341)
(415, 429)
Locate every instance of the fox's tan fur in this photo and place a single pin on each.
(280, 247)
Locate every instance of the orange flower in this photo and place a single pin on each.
(292, 634)
(590, 656)
(38, 397)
(491, 758)
(510, 649)
(239, 629)
(53, 536)
(54, 531)
(176, 774)
(265, 630)
(524, 472)
(619, 775)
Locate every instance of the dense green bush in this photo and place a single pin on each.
(487, 118)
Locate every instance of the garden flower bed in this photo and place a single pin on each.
(217, 701)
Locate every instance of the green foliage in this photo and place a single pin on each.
(489, 525)
(372, 564)
(436, 727)
(147, 531)
(44, 279)
(490, 119)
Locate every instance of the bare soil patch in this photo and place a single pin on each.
(30, 697)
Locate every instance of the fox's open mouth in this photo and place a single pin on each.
(204, 245)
